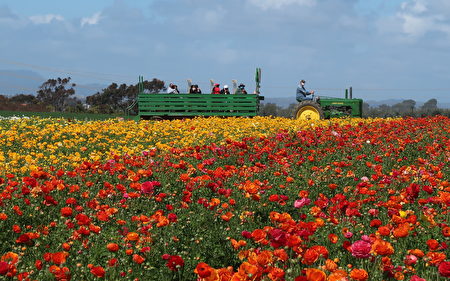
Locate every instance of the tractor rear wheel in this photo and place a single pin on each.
(308, 110)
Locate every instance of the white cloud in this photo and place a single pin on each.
(91, 20)
(45, 19)
(416, 18)
(278, 4)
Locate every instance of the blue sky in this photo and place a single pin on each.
(382, 48)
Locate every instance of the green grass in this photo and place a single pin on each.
(78, 116)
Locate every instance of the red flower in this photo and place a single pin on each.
(444, 268)
(83, 219)
(138, 259)
(203, 270)
(175, 263)
(66, 212)
(4, 268)
(98, 271)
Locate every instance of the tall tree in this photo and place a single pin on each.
(55, 93)
(117, 98)
(430, 105)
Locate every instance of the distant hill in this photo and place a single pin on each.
(13, 82)
(286, 101)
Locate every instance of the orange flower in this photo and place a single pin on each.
(10, 257)
(132, 236)
(112, 247)
(276, 274)
(432, 244)
(138, 259)
(435, 258)
(383, 248)
(402, 230)
(446, 231)
(399, 276)
(314, 274)
(258, 235)
(310, 256)
(281, 254)
(264, 258)
(66, 246)
(330, 265)
(3, 216)
(359, 274)
(227, 216)
(333, 238)
(248, 268)
(338, 275)
(98, 271)
(59, 257)
(384, 231)
(203, 270)
(418, 253)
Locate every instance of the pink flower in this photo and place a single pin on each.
(410, 259)
(374, 212)
(361, 249)
(301, 202)
(416, 278)
(348, 234)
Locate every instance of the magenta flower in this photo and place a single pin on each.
(361, 249)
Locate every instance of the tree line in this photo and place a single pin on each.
(59, 95)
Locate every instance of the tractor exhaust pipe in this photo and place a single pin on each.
(351, 93)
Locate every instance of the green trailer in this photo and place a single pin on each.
(174, 106)
(171, 106)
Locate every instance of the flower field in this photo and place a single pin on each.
(225, 199)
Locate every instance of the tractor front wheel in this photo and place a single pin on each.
(308, 110)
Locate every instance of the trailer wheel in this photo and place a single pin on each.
(308, 110)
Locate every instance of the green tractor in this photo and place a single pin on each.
(327, 107)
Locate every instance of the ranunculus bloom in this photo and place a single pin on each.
(66, 212)
(4, 268)
(444, 268)
(359, 274)
(175, 263)
(147, 187)
(112, 247)
(314, 274)
(410, 259)
(203, 270)
(416, 278)
(301, 202)
(361, 249)
(98, 271)
(310, 256)
(59, 257)
(138, 259)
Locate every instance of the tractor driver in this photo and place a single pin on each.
(302, 93)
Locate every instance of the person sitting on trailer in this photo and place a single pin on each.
(302, 93)
(225, 90)
(216, 89)
(241, 89)
(198, 91)
(172, 89)
(195, 89)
